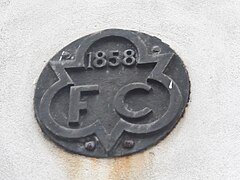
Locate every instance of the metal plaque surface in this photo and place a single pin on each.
(111, 93)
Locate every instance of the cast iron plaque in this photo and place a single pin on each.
(111, 93)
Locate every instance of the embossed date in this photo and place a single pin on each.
(101, 59)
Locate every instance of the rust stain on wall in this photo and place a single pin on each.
(72, 164)
(128, 168)
(123, 168)
(95, 164)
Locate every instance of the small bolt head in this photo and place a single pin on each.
(90, 145)
(66, 55)
(156, 49)
(128, 144)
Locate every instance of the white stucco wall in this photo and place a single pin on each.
(206, 34)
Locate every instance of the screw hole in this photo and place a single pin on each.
(128, 144)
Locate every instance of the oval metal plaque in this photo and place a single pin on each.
(111, 93)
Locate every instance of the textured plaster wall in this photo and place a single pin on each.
(206, 34)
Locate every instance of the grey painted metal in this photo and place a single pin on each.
(111, 93)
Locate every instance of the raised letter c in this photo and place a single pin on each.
(119, 101)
